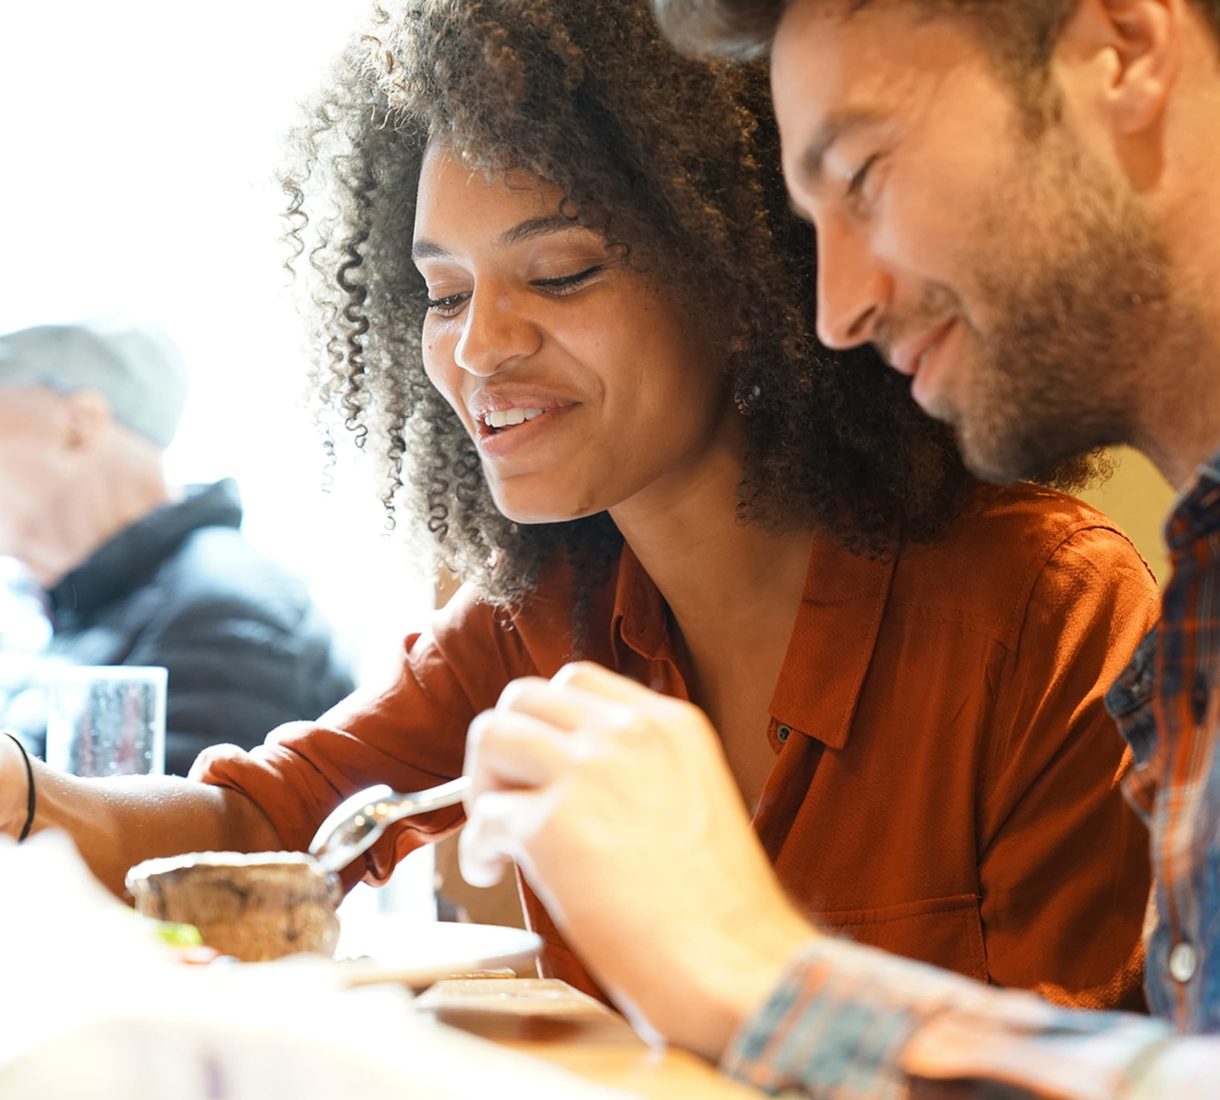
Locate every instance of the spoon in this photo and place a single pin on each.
(354, 825)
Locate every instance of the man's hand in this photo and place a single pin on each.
(619, 806)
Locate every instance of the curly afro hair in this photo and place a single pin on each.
(671, 159)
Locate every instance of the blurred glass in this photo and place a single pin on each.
(106, 720)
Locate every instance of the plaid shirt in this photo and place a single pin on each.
(850, 1022)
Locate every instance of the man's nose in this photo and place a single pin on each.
(495, 332)
(852, 288)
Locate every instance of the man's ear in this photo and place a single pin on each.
(1137, 46)
(87, 421)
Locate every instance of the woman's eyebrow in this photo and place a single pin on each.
(538, 227)
(424, 249)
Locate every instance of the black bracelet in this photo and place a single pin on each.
(31, 802)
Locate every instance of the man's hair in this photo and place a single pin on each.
(675, 161)
(737, 29)
(1021, 33)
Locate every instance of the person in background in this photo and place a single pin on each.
(25, 627)
(1018, 204)
(133, 572)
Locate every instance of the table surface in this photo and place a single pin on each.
(555, 1023)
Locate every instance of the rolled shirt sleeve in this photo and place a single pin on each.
(851, 1022)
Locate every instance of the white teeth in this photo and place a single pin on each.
(509, 418)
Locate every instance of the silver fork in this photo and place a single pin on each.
(354, 825)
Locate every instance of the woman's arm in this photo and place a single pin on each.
(118, 822)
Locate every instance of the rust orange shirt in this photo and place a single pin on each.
(945, 779)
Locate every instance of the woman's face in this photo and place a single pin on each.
(583, 386)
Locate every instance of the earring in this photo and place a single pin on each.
(746, 397)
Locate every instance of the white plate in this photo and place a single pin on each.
(419, 953)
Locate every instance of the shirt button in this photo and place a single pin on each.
(1183, 961)
(783, 733)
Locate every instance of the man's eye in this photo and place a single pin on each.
(859, 181)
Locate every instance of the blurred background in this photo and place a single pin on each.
(1139, 499)
(140, 145)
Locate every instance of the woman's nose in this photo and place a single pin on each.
(495, 332)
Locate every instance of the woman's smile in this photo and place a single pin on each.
(505, 432)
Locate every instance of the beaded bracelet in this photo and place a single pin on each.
(31, 803)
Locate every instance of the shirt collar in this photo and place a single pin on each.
(1196, 514)
(641, 618)
(830, 648)
(832, 641)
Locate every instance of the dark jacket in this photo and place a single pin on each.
(245, 648)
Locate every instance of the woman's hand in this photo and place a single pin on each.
(14, 788)
(621, 810)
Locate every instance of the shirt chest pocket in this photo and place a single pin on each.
(946, 932)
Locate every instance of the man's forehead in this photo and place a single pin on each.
(809, 16)
(831, 45)
(826, 67)
(835, 62)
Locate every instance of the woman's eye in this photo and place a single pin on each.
(448, 305)
(563, 283)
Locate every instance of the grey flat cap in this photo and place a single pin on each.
(138, 369)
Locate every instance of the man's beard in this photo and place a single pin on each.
(1085, 321)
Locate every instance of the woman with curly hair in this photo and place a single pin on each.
(559, 290)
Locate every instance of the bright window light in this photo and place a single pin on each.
(140, 141)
